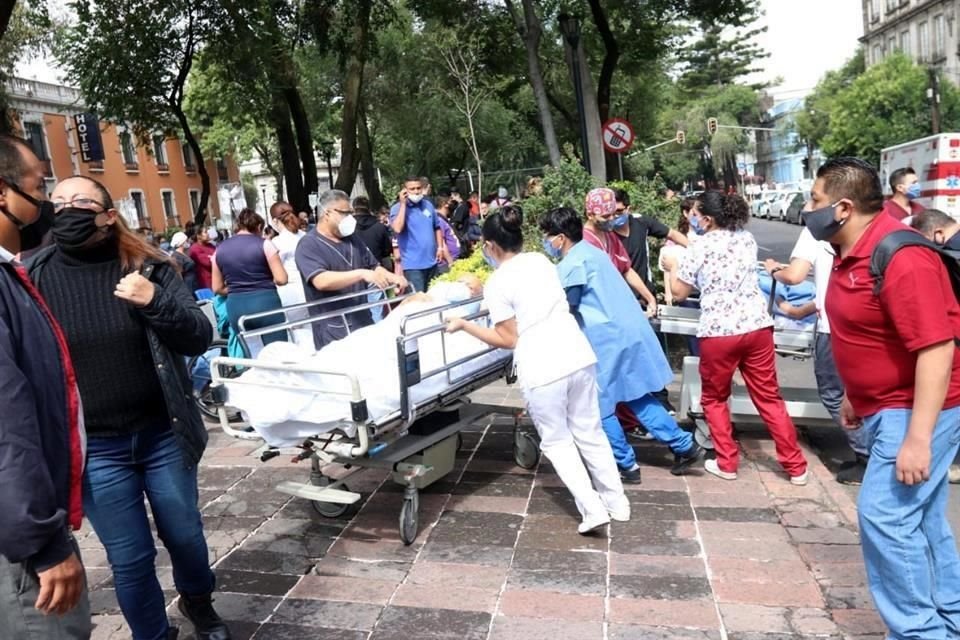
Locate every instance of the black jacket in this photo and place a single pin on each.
(176, 327)
(41, 453)
(376, 236)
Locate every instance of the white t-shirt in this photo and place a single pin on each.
(292, 292)
(820, 255)
(550, 345)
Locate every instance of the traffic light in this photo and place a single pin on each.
(681, 137)
(712, 125)
(806, 164)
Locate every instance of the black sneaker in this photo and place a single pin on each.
(851, 473)
(681, 463)
(640, 434)
(631, 477)
(206, 623)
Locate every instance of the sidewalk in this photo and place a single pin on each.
(498, 556)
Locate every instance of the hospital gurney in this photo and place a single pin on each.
(803, 404)
(417, 442)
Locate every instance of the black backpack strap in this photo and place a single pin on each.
(891, 243)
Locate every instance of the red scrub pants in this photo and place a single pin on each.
(753, 354)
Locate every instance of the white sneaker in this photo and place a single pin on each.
(800, 480)
(954, 474)
(620, 515)
(589, 525)
(711, 467)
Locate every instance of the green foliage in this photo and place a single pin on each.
(813, 123)
(27, 32)
(720, 57)
(472, 265)
(884, 106)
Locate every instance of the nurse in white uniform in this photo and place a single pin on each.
(556, 365)
(287, 226)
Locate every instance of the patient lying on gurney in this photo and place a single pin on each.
(285, 407)
(795, 306)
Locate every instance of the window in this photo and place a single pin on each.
(189, 161)
(905, 42)
(939, 37)
(222, 174)
(141, 208)
(194, 201)
(874, 10)
(923, 41)
(877, 54)
(128, 150)
(892, 5)
(169, 208)
(33, 132)
(891, 44)
(160, 152)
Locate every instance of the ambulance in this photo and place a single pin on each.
(936, 160)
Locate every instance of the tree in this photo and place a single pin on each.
(24, 28)
(813, 123)
(884, 106)
(131, 61)
(719, 58)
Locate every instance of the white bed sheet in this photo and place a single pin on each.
(285, 407)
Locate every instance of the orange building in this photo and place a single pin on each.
(155, 188)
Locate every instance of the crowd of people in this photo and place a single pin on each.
(114, 313)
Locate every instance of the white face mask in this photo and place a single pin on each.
(415, 197)
(347, 226)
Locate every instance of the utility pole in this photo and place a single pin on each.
(933, 94)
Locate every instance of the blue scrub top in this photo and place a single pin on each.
(630, 361)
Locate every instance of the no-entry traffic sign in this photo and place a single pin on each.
(617, 135)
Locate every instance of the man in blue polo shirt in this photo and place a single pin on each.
(417, 226)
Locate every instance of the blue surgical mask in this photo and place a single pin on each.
(697, 225)
(620, 220)
(551, 250)
(913, 191)
(822, 223)
(493, 262)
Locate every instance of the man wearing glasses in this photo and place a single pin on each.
(334, 262)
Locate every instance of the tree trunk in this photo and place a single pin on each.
(594, 150)
(352, 86)
(201, 213)
(6, 12)
(301, 126)
(367, 168)
(530, 31)
(289, 156)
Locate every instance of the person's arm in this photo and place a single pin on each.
(932, 378)
(280, 276)
(681, 290)
(636, 283)
(218, 283)
(676, 237)
(796, 312)
(503, 335)
(668, 264)
(793, 273)
(574, 296)
(173, 313)
(398, 221)
(337, 280)
(392, 278)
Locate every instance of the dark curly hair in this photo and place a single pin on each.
(728, 211)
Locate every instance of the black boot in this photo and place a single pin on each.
(206, 623)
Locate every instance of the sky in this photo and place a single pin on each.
(806, 39)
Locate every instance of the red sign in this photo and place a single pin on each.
(617, 135)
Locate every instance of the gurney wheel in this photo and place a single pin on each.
(702, 436)
(329, 509)
(526, 450)
(410, 516)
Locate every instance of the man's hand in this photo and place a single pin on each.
(913, 461)
(441, 255)
(652, 310)
(770, 264)
(376, 278)
(402, 196)
(848, 417)
(135, 289)
(400, 281)
(60, 587)
(455, 324)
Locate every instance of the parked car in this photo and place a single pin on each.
(760, 208)
(799, 199)
(780, 204)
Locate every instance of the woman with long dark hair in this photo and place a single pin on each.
(735, 332)
(129, 322)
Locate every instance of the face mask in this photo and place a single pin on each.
(913, 191)
(551, 250)
(620, 220)
(74, 228)
(414, 198)
(822, 224)
(347, 226)
(605, 225)
(697, 225)
(493, 262)
(31, 234)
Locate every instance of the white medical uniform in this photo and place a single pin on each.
(292, 293)
(556, 367)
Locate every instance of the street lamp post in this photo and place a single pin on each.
(263, 192)
(570, 27)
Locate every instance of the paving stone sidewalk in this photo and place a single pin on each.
(498, 556)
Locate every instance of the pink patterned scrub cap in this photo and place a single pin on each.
(601, 202)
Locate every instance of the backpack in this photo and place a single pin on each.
(891, 243)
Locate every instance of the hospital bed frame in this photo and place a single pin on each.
(414, 460)
(803, 404)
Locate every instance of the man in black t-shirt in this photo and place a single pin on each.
(635, 231)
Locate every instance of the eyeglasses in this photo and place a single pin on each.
(345, 212)
(80, 203)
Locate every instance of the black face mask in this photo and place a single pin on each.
(822, 224)
(75, 229)
(31, 234)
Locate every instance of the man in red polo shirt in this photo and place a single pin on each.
(906, 189)
(895, 353)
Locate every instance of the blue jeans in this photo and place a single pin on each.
(420, 279)
(911, 557)
(119, 471)
(660, 424)
(377, 311)
(830, 389)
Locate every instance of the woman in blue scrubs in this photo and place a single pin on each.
(630, 363)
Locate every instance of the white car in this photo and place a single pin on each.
(780, 204)
(761, 206)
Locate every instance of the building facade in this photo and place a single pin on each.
(780, 155)
(925, 30)
(155, 187)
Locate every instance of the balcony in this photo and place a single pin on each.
(43, 92)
